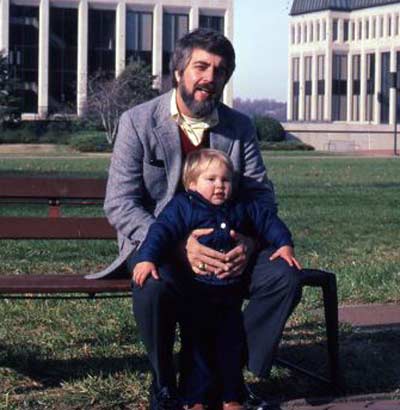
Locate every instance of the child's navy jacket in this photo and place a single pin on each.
(187, 211)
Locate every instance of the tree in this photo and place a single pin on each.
(109, 98)
(269, 129)
(9, 107)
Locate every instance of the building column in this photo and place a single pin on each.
(43, 82)
(157, 45)
(328, 72)
(349, 88)
(377, 109)
(363, 86)
(83, 26)
(378, 26)
(194, 18)
(120, 37)
(340, 30)
(392, 92)
(228, 31)
(386, 25)
(4, 18)
(315, 31)
(314, 87)
(289, 106)
(302, 86)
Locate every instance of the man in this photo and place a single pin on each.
(145, 172)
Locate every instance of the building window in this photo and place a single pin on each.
(385, 88)
(398, 94)
(320, 87)
(360, 33)
(346, 30)
(305, 39)
(102, 42)
(373, 28)
(389, 27)
(293, 34)
(174, 27)
(323, 30)
(24, 53)
(339, 88)
(296, 87)
(139, 37)
(356, 71)
(318, 31)
(308, 87)
(370, 87)
(367, 31)
(335, 30)
(353, 31)
(311, 32)
(63, 51)
(214, 22)
(298, 37)
(381, 24)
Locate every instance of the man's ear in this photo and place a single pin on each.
(177, 76)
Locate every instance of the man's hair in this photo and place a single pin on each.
(198, 161)
(205, 39)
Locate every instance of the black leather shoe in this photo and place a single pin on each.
(164, 399)
(255, 402)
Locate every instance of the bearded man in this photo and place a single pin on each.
(153, 140)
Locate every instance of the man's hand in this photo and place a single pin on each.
(142, 271)
(238, 258)
(287, 253)
(203, 259)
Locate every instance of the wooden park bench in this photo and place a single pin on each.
(57, 192)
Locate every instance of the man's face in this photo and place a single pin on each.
(201, 84)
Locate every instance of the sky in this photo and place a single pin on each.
(261, 45)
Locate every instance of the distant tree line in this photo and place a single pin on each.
(261, 107)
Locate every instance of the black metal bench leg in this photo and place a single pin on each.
(332, 328)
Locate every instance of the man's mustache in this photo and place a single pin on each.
(206, 87)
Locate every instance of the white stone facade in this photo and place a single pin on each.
(335, 75)
(194, 9)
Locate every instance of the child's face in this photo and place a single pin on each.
(214, 183)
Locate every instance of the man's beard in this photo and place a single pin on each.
(199, 109)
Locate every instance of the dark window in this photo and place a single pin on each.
(320, 87)
(356, 72)
(174, 27)
(398, 87)
(63, 59)
(385, 88)
(307, 88)
(24, 53)
(339, 88)
(139, 35)
(102, 42)
(370, 87)
(214, 22)
(335, 30)
(346, 30)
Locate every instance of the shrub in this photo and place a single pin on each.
(269, 129)
(90, 142)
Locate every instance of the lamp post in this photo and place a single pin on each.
(395, 83)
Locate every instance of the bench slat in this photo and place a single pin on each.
(60, 284)
(55, 228)
(71, 188)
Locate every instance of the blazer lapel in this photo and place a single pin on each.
(222, 136)
(167, 134)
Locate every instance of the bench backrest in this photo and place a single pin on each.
(55, 192)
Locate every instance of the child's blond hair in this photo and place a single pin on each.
(198, 161)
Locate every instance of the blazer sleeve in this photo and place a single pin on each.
(123, 203)
(253, 173)
(170, 227)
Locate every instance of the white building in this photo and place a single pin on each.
(55, 45)
(340, 87)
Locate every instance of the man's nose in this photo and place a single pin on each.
(209, 74)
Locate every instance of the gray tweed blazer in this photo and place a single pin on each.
(146, 168)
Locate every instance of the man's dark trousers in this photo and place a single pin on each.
(274, 291)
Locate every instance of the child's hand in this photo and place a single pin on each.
(142, 271)
(287, 253)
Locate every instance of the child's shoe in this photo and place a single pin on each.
(232, 405)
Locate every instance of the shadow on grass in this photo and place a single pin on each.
(50, 373)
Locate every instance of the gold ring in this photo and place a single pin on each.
(201, 265)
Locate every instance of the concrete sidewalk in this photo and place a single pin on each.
(361, 317)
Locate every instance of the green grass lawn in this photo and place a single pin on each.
(345, 216)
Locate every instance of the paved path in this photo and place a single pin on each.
(368, 404)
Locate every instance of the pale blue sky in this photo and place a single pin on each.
(261, 44)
